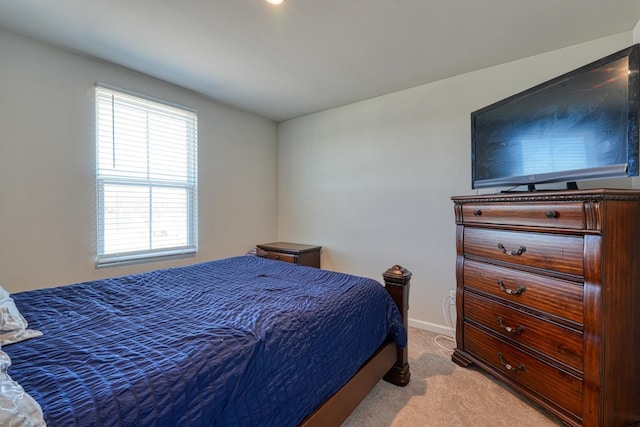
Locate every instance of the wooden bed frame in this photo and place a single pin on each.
(389, 363)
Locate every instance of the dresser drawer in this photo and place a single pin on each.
(557, 342)
(556, 385)
(281, 256)
(560, 298)
(568, 215)
(547, 251)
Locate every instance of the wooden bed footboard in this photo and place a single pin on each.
(389, 362)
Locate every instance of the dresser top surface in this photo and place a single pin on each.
(551, 195)
(294, 248)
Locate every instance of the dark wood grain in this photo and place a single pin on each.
(562, 215)
(560, 388)
(295, 253)
(554, 341)
(559, 300)
(561, 253)
(580, 307)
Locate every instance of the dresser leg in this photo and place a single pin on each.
(460, 359)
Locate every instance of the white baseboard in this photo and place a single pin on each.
(439, 329)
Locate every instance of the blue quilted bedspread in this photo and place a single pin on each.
(242, 341)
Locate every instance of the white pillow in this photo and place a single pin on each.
(13, 326)
(17, 407)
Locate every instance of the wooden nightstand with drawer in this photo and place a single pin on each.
(294, 253)
(548, 298)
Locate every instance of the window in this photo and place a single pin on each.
(147, 190)
(554, 153)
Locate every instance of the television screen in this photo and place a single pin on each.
(581, 125)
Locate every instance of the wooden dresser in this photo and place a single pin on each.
(548, 298)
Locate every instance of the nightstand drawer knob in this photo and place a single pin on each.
(551, 214)
(477, 212)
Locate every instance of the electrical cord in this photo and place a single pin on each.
(446, 311)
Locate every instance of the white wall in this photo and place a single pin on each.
(371, 182)
(636, 33)
(47, 158)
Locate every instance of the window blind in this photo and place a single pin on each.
(146, 169)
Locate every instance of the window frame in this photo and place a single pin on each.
(189, 183)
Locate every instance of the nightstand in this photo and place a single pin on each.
(294, 253)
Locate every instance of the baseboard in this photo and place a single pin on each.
(439, 329)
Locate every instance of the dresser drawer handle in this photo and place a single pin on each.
(551, 214)
(519, 252)
(508, 366)
(520, 329)
(518, 291)
(276, 257)
(477, 212)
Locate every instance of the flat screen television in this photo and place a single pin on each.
(579, 126)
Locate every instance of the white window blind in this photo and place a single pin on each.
(147, 188)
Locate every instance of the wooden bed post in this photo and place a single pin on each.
(397, 281)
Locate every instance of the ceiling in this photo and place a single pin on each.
(305, 56)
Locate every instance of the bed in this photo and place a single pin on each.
(242, 341)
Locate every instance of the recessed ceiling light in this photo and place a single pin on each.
(275, 1)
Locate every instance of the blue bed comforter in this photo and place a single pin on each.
(243, 341)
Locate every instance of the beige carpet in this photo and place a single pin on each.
(443, 394)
